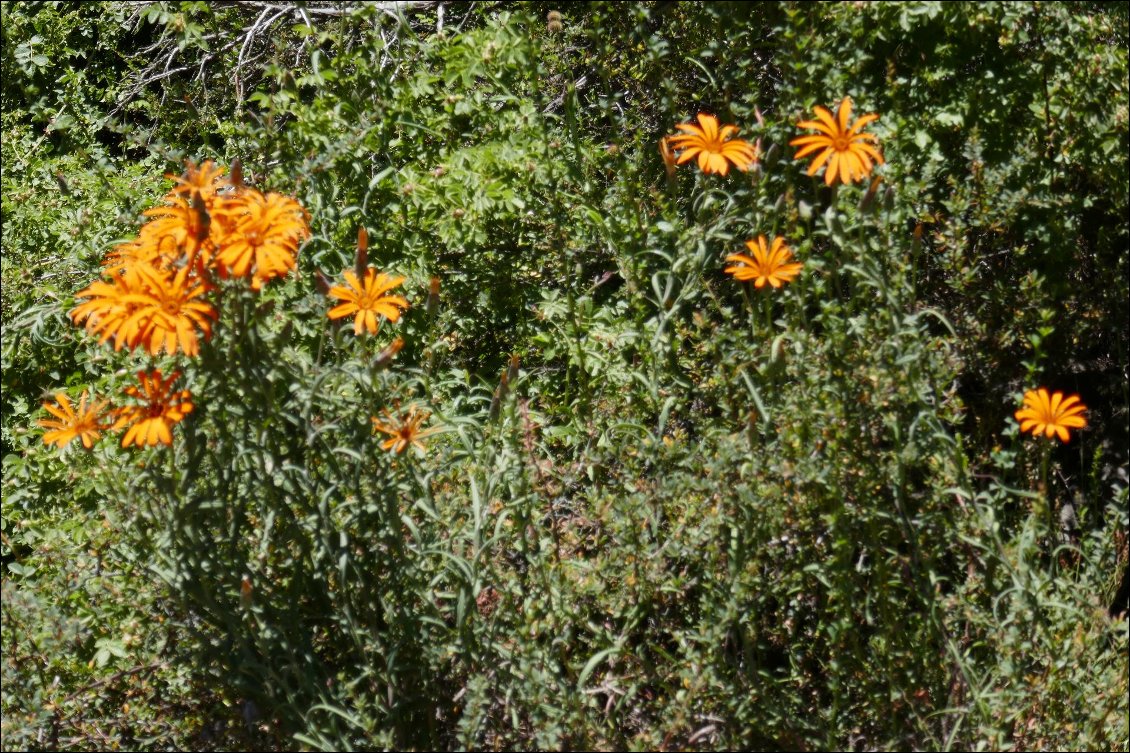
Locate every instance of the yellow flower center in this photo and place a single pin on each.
(368, 300)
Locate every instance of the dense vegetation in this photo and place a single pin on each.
(649, 505)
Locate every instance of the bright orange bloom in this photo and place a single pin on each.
(262, 235)
(181, 229)
(151, 422)
(767, 265)
(170, 312)
(85, 423)
(204, 180)
(848, 153)
(1047, 415)
(404, 430)
(713, 146)
(144, 306)
(368, 300)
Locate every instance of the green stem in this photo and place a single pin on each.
(767, 306)
(752, 311)
(1045, 498)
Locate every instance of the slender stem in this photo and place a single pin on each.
(767, 307)
(1045, 498)
(752, 311)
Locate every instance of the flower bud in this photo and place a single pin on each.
(202, 221)
(869, 197)
(236, 178)
(361, 261)
(384, 358)
(433, 297)
(668, 156)
(771, 155)
(245, 591)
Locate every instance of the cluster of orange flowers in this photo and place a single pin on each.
(154, 294)
(847, 154)
(843, 147)
(148, 419)
(844, 150)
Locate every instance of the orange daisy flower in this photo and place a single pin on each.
(848, 153)
(85, 423)
(368, 300)
(404, 431)
(205, 180)
(715, 150)
(767, 265)
(1051, 414)
(151, 422)
(144, 306)
(262, 235)
(181, 229)
(170, 313)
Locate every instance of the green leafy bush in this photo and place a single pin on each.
(640, 503)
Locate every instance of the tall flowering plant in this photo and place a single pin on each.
(270, 454)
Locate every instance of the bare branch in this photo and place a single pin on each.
(247, 39)
(164, 51)
(345, 9)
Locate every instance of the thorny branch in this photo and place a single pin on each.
(249, 39)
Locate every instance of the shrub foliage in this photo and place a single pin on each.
(580, 486)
